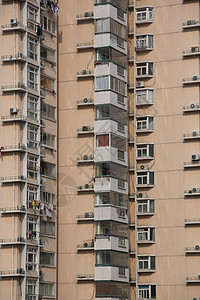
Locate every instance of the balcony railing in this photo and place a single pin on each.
(192, 108)
(86, 246)
(192, 221)
(192, 192)
(16, 26)
(19, 147)
(14, 273)
(16, 87)
(17, 209)
(89, 15)
(85, 188)
(14, 117)
(89, 216)
(191, 164)
(85, 74)
(85, 277)
(18, 240)
(19, 178)
(191, 52)
(193, 135)
(192, 80)
(86, 45)
(9, 58)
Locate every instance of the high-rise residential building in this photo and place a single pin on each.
(100, 152)
(28, 131)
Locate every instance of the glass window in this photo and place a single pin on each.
(32, 78)
(48, 111)
(32, 107)
(32, 137)
(48, 139)
(47, 258)
(111, 228)
(112, 290)
(47, 198)
(122, 4)
(104, 169)
(48, 24)
(111, 258)
(145, 206)
(111, 198)
(32, 18)
(31, 260)
(47, 228)
(31, 228)
(32, 168)
(48, 169)
(110, 83)
(31, 289)
(32, 48)
(109, 25)
(146, 234)
(46, 289)
(47, 54)
(105, 112)
(47, 82)
(32, 196)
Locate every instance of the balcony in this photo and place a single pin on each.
(17, 57)
(15, 241)
(194, 51)
(85, 46)
(190, 280)
(87, 16)
(15, 273)
(111, 184)
(13, 179)
(193, 192)
(194, 221)
(13, 148)
(192, 136)
(85, 277)
(105, 154)
(111, 273)
(87, 246)
(16, 26)
(87, 217)
(88, 187)
(85, 130)
(194, 107)
(193, 80)
(192, 250)
(85, 103)
(107, 212)
(191, 24)
(13, 118)
(85, 159)
(13, 210)
(85, 74)
(20, 87)
(192, 164)
(111, 243)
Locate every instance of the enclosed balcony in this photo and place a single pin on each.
(192, 221)
(15, 273)
(86, 246)
(195, 135)
(86, 102)
(194, 51)
(85, 17)
(117, 214)
(20, 209)
(191, 24)
(112, 290)
(85, 74)
(144, 15)
(111, 243)
(110, 183)
(192, 80)
(13, 179)
(14, 57)
(19, 87)
(85, 130)
(85, 277)
(85, 46)
(144, 42)
(193, 192)
(194, 107)
(87, 217)
(110, 68)
(111, 273)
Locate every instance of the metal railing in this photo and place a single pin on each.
(193, 249)
(192, 106)
(193, 191)
(19, 239)
(192, 163)
(193, 220)
(85, 158)
(14, 147)
(14, 117)
(14, 57)
(86, 44)
(17, 208)
(193, 50)
(13, 178)
(86, 15)
(190, 23)
(197, 278)
(85, 73)
(85, 276)
(86, 245)
(195, 78)
(17, 25)
(194, 134)
(88, 215)
(19, 85)
(19, 271)
(87, 186)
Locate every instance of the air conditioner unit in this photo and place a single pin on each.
(87, 100)
(197, 247)
(86, 186)
(85, 245)
(42, 63)
(13, 21)
(199, 277)
(84, 72)
(13, 110)
(89, 157)
(79, 187)
(140, 84)
(195, 299)
(194, 49)
(144, 167)
(142, 195)
(194, 105)
(87, 14)
(194, 78)
(195, 157)
(85, 128)
(85, 157)
(191, 22)
(195, 133)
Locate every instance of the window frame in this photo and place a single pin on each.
(32, 143)
(144, 234)
(33, 54)
(144, 14)
(32, 78)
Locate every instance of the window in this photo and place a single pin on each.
(110, 54)
(110, 83)
(146, 263)
(32, 168)
(47, 228)
(48, 111)
(144, 42)
(48, 169)
(47, 198)
(31, 260)
(109, 25)
(32, 107)
(147, 292)
(47, 258)
(32, 18)
(32, 195)
(110, 112)
(144, 123)
(47, 139)
(145, 178)
(119, 4)
(145, 151)
(111, 258)
(145, 206)
(104, 169)
(32, 48)
(144, 97)
(112, 290)
(47, 54)
(32, 78)
(47, 82)
(144, 69)
(109, 228)
(102, 140)
(111, 198)
(144, 14)
(32, 137)
(46, 289)
(146, 234)
(31, 289)
(48, 24)
(31, 228)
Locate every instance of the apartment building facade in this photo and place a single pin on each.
(127, 219)
(28, 150)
